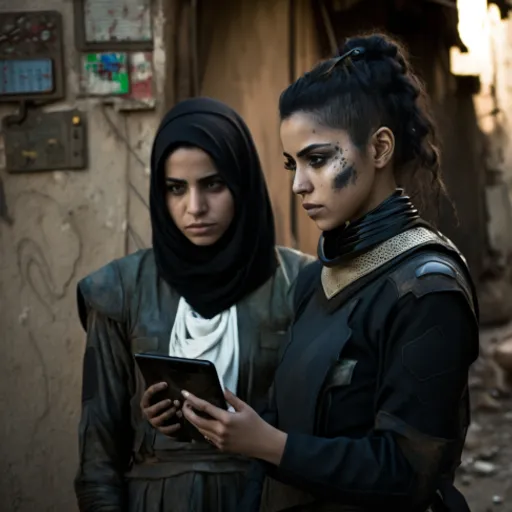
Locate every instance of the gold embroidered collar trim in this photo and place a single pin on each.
(336, 279)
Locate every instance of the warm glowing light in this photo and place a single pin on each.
(472, 22)
(474, 30)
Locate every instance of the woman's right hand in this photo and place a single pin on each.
(158, 414)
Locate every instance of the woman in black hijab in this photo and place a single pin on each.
(212, 278)
(214, 286)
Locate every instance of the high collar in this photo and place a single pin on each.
(393, 216)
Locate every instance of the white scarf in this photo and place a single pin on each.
(214, 339)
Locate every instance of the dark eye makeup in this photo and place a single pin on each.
(317, 161)
(290, 165)
(314, 160)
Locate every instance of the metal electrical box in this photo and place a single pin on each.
(46, 142)
(31, 56)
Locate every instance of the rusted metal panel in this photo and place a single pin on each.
(31, 56)
(113, 24)
(113, 20)
(46, 141)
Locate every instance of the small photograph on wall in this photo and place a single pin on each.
(105, 74)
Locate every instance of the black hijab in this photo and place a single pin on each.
(213, 278)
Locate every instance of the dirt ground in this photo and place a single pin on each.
(485, 476)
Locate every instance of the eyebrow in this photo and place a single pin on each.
(309, 149)
(179, 181)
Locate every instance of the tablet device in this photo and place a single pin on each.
(195, 375)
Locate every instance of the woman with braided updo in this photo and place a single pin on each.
(369, 406)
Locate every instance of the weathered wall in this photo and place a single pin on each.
(245, 60)
(499, 35)
(461, 150)
(307, 54)
(65, 225)
(246, 65)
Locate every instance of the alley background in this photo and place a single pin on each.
(116, 67)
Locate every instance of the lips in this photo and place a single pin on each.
(199, 225)
(310, 206)
(312, 209)
(200, 228)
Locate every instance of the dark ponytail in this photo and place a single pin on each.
(371, 84)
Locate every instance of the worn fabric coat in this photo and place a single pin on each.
(125, 464)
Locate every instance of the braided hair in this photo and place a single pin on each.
(368, 85)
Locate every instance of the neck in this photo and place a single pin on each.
(392, 216)
(384, 187)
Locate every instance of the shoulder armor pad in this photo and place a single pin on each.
(291, 262)
(277, 294)
(104, 290)
(434, 271)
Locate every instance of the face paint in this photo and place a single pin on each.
(347, 174)
(345, 177)
(333, 172)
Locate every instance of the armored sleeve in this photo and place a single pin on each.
(103, 292)
(105, 434)
(251, 498)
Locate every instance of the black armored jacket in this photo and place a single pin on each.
(372, 388)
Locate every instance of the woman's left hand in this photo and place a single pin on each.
(243, 431)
